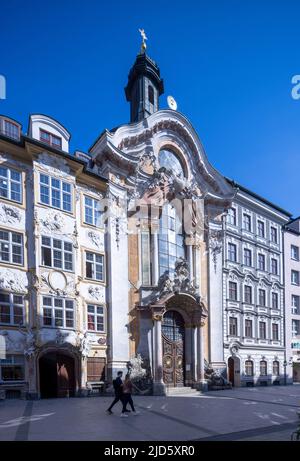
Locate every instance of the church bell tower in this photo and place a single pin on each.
(144, 85)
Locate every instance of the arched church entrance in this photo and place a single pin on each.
(57, 375)
(173, 342)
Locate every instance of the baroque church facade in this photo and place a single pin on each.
(128, 251)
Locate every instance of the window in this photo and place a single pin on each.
(57, 253)
(261, 229)
(248, 329)
(248, 294)
(261, 297)
(276, 368)
(232, 326)
(274, 266)
(295, 304)
(263, 368)
(11, 309)
(295, 278)
(11, 247)
(145, 257)
(295, 252)
(92, 212)
(11, 129)
(95, 316)
(232, 252)
(249, 368)
(171, 244)
(94, 266)
(274, 300)
(12, 368)
(261, 262)
(247, 257)
(275, 332)
(247, 222)
(295, 328)
(232, 291)
(51, 139)
(171, 162)
(10, 184)
(151, 94)
(231, 216)
(55, 193)
(273, 234)
(58, 312)
(262, 330)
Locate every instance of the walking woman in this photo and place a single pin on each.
(127, 391)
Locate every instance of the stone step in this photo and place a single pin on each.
(181, 391)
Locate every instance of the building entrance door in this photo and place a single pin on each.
(173, 349)
(57, 375)
(231, 370)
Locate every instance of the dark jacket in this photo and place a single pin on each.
(117, 383)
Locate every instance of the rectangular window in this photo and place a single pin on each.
(248, 294)
(295, 328)
(92, 213)
(95, 318)
(295, 304)
(261, 262)
(57, 253)
(262, 297)
(295, 252)
(55, 193)
(273, 234)
(263, 368)
(275, 332)
(262, 330)
(12, 368)
(249, 368)
(51, 139)
(11, 247)
(261, 229)
(294, 277)
(247, 257)
(231, 216)
(247, 222)
(11, 130)
(146, 258)
(248, 328)
(276, 368)
(232, 326)
(11, 309)
(274, 300)
(232, 252)
(274, 266)
(10, 184)
(232, 291)
(58, 312)
(94, 264)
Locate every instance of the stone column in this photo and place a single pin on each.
(201, 381)
(195, 355)
(155, 266)
(158, 384)
(190, 261)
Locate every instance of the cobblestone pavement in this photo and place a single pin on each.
(239, 414)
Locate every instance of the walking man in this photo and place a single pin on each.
(118, 387)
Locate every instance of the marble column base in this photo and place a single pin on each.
(159, 389)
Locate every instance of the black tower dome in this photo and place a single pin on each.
(143, 88)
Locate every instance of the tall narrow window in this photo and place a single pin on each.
(262, 330)
(231, 216)
(11, 130)
(247, 222)
(94, 266)
(232, 291)
(261, 229)
(248, 294)
(275, 332)
(276, 368)
(262, 297)
(248, 368)
(145, 255)
(10, 184)
(274, 266)
(295, 277)
(248, 328)
(233, 326)
(263, 368)
(151, 94)
(261, 262)
(247, 257)
(274, 300)
(273, 235)
(92, 212)
(232, 252)
(295, 328)
(295, 252)
(295, 304)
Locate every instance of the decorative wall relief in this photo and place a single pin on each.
(30, 342)
(55, 165)
(58, 283)
(96, 293)
(215, 245)
(53, 222)
(96, 239)
(15, 281)
(9, 214)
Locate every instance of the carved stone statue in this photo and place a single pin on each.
(30, 342)
(215, 378)
(84, 344)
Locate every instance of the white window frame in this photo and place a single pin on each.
(295, 306)
(10, 245)
(249, 222)
(95, 209)
(50, 188)
(61, 250)
(248, 251)
(276, 266)
(230, 244)
(11, 304)
(264, 259)
(295, 331)
(276, 234)
(11, 181)
(232, 216)
(293, 272)
(260, 221)
(295, 258)
(95, 315)
(54, 308)
(94, 264)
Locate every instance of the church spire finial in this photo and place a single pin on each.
(144, 46)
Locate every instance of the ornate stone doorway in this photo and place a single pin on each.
(57, 375)
(234, 371)
(173, 342)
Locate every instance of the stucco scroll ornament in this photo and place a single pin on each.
(215, 245)
(95, 238)
(9, 214)
(96, 292)
(53, 163)
(12, 281)
(84, 344)
(53, 222)
(182, 276)
(30, 342)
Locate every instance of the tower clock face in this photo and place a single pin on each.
(171, 162)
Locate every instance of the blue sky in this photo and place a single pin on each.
(228, 64)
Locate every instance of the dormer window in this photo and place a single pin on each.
(151, 94)
(51, 139)
(10, 128)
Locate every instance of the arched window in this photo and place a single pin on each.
(151, 94)
(170, 240)
(173, 326)
(171, 162)
(276, 368)
(263, 368)
(249, 368)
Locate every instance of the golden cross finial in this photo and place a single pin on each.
(143, 34)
